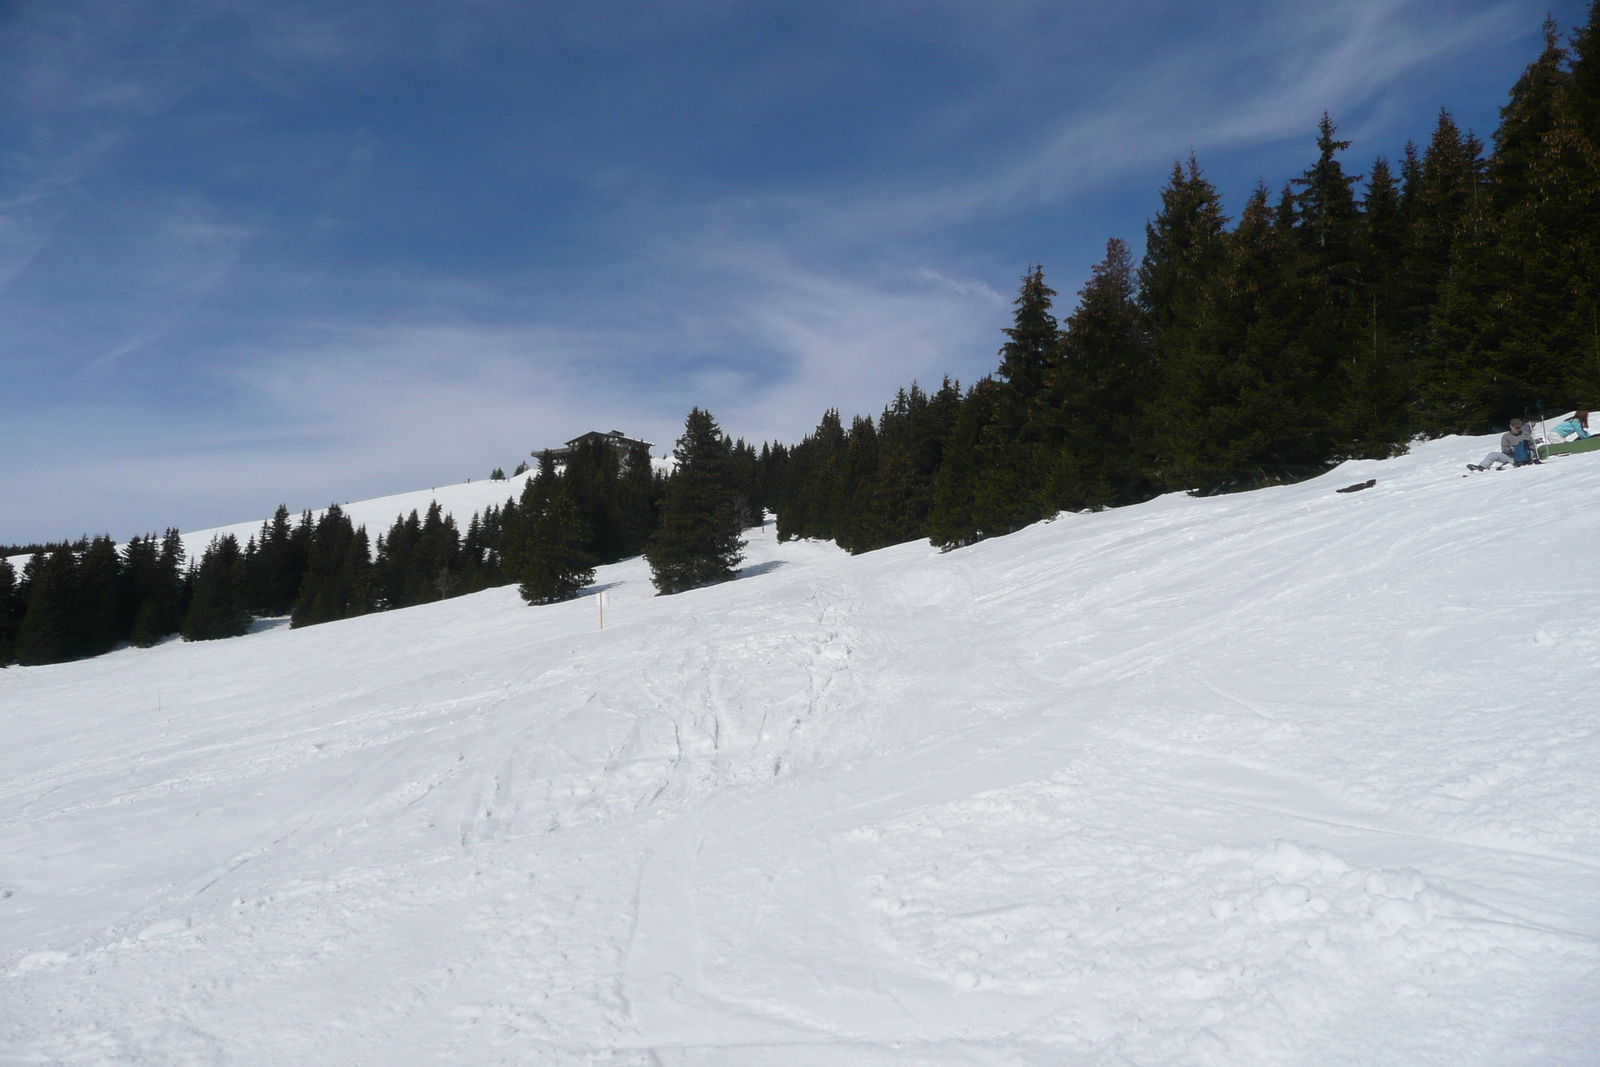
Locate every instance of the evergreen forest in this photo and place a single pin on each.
(1339, 316)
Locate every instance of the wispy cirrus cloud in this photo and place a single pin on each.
(298, 251)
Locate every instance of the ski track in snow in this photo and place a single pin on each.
(1286, 777)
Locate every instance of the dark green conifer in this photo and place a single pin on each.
(163, 596)
(698, 542)
(959, 516)
(99, 612)
(49, 629)
(810, 472)
(12, 605)
(555, 565)
(859, 525)
(340, 579)
(1586, 73)
(1326, 207)
(217, 608)
(1033, 341)
(1102, 399)
(277, 567)
(638, 504)
(1182, 246)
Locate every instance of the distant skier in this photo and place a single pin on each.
(1578, 424)
(1516, 449)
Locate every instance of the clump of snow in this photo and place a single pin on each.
(1281, 777)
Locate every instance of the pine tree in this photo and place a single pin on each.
(1375, 416)
(278, 565)
(999, 484)
(746, 484)
(860, 525)
(1102, 396)
(555, 565)
(436, 564)
(957, 518)
(340, 579)
(163, 597)
(1586, 74)
(1585, 104)
(1183, 249)
(1033, 347)
(638, 501)
(1533, 263)
(395, 564)
(1325, 208)
(99, 597)
(1240, 407)
(12, 605)
(811, 468)
(49, 627)
(217, 608)
(911, 437)
(698, 542)
(141, 562)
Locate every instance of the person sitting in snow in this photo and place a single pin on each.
(1516, 449)
(1578, 424)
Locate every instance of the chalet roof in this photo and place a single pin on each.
(615, 438)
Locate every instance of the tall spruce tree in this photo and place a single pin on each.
(999, 485)
(1103, 395)
(1033, 340)
(163, 594)
(278, 564)
(1585, 102)
(1586, 73)
(1373, 417)
(1182, 249)
(1237, 401)
(959, 515)
(217, 607)
(698, 542)
(806, 495)
(11, 608)
(340, 578)
(859, 526)
(555, 565)
(99, 612)
(49, 629)
(638, 501)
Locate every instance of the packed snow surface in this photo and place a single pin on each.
(1286, 777)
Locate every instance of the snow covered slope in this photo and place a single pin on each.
(463, 500)
(1288, 777)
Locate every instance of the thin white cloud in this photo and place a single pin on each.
(768, 304)
(1266, 78)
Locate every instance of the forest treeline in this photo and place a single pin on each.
(83, 598)
(1338, 317)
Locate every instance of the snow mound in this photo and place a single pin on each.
(1276, 778)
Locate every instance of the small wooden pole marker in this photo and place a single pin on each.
(601, 597)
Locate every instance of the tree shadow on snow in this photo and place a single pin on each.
(762, 568)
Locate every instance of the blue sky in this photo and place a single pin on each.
(302, 252)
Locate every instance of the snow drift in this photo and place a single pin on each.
(1277, 778)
